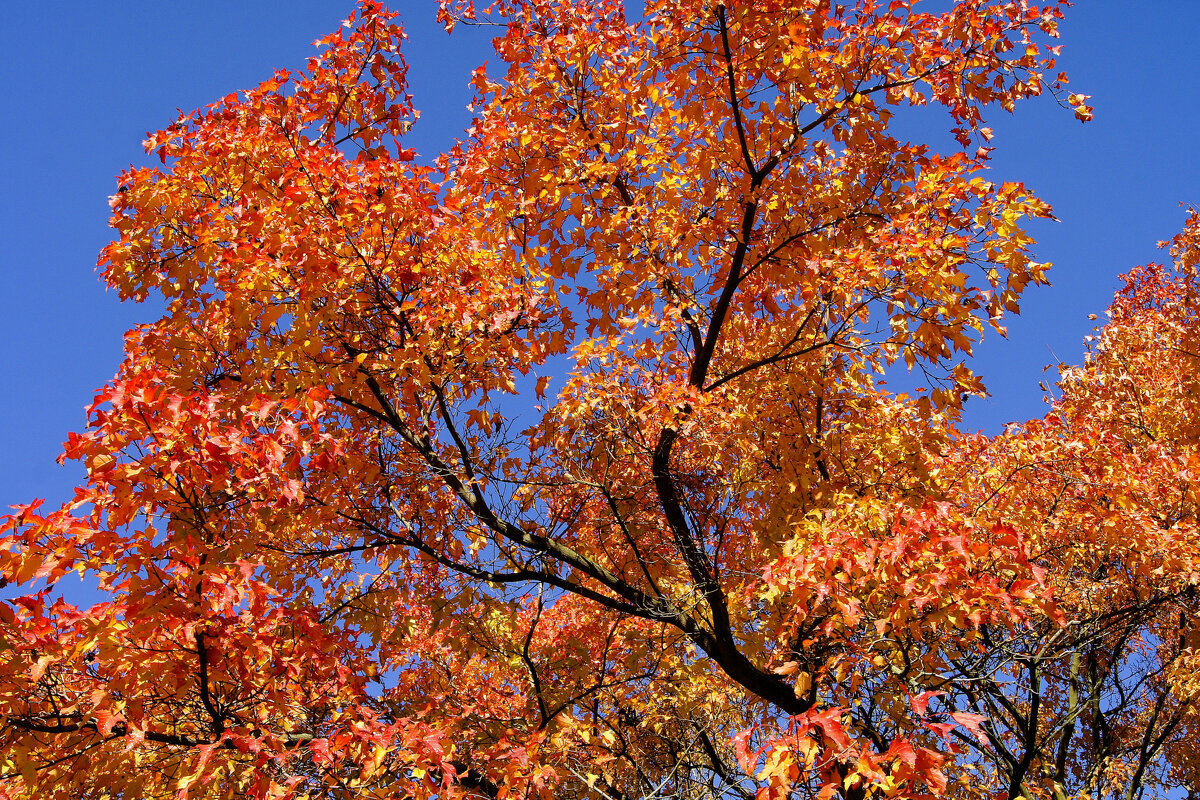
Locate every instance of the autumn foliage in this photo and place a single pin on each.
(565, 467)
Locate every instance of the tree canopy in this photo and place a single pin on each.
(567, 466)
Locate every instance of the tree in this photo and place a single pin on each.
(1105, 695)
(564, 468)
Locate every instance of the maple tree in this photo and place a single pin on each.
(564, 467)
(1106, 486)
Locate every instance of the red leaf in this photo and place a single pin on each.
(920, 703)
(903, 750)
(972, 723)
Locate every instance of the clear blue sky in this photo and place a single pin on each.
(83, 81)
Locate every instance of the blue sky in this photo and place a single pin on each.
(83, 82)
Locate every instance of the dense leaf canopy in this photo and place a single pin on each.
(566, 467)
